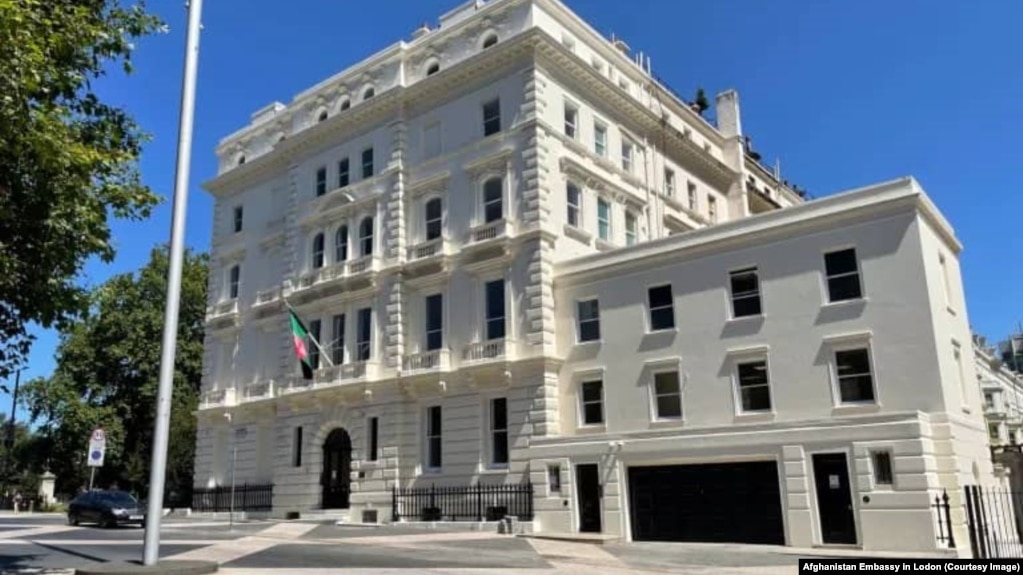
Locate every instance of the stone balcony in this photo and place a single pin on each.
(217, 398)
(335, 375)
(267, 297)
(486, 351)
(490, 231)
(343, 276)
(436, 360)
(429, 249)
(258, 391)
(223, 315)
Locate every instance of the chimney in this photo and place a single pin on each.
(727, 111)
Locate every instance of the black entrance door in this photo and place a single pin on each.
(587, 483)
(337, 468)
(834, 498)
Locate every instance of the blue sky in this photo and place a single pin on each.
(844, 93)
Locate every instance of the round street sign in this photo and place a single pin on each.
(97, 454)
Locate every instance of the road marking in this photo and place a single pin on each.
(102, 542)
(231, 550)
(34, 531)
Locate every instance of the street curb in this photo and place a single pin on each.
(161, 568)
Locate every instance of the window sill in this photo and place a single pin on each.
(591, 428)
(754, 416)
(604, 245)
(431, 471)
(855, 408)
(745, 319)
(667, 423)
(844, 303)
(577, 233)
(589, 343)
(495, 470)
(666, 330)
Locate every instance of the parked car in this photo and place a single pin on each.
(106, 508)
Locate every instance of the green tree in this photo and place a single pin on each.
(68, 161)
(107, 373)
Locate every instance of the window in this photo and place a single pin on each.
(499, 432)
(669, 182)
(843, 276)
(366, 236)
(754, 387)
(945, 279)
(345, 104)
(667, 395)
(296, 448)
(630, 228)
(433, 437)
(495, 328)
(493, 208)
(855, 381)
(554, 479)
(238, 219)
(369, 93)
(432, 69)
(994, 432)
(490, 41)
(433, 216)
(318, 251)
(745, 293)
(313, 343)
(571, 120)
(694, 204)
(365, 330)
(604, 219)
(343, 173)
(592, 400)
(233, 281)
(241, 159)
(588, 313)
(573, 198)
(341, 244)
(323, 116)
(881, 461)
(434, 321)
(957, 356)
(492, 117)
(337, 346)
(321, 181)
(600, 140)
(989, 400)
(367, 163)
(662, 308)
(372, 438)
(627, 149)
(432, 143)
(712, 209)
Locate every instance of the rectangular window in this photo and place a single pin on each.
(499, 431)
(604, 219)
(495, 327)
(434, 219)
(554, 479)
(745, 286)
(600, 140)
(627, 150)
(712, 209)
(234, 281)
(842, 275)
(589, 320)
(492, 117)
(694, 203)
(945, 280)
(662, 308)
(315, 326)
(592, 402)
(343, 173)
(989, 401)
(630, 228)
(994, 432)
(433, 438)
(573, 199)
(669, 182)
(754, 387)
(372, 438)
(855, 380)
(367, 163)
(432, 145)
(434, 322)
(957, 356)
(667, 395)
(337, 347)
(321, 181)
(882, 464)
(571, 120)
(296, 448)
(238, 219)
(364, 333)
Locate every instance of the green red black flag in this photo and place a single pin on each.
(298, 338)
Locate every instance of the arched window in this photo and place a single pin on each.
(366, 236)
(318, 251)
(433, 68)
(433, 218)
(369, 93)
(241, 159)
(345, 104)
(490, 40)
(323, 116)
(282, 138)
(341, 244)
(493, 203)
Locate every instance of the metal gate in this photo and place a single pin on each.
(993, 516)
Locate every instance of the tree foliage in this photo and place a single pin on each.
(107, 374)
(68, 161)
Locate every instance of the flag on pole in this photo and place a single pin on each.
(298, 338)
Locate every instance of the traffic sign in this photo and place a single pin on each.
(97, 448)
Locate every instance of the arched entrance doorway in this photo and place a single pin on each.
(337, 470)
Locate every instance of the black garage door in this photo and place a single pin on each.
(711, 503)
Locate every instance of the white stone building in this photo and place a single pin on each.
(1003, 396)
(528, 261)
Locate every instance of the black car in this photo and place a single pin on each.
(106, 508)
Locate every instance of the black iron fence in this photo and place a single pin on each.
(247, 497)
(994, 517)
(469, 503)
(944, 517)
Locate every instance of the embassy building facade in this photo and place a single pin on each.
(525, 262)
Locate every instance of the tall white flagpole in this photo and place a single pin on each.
(158, 469)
